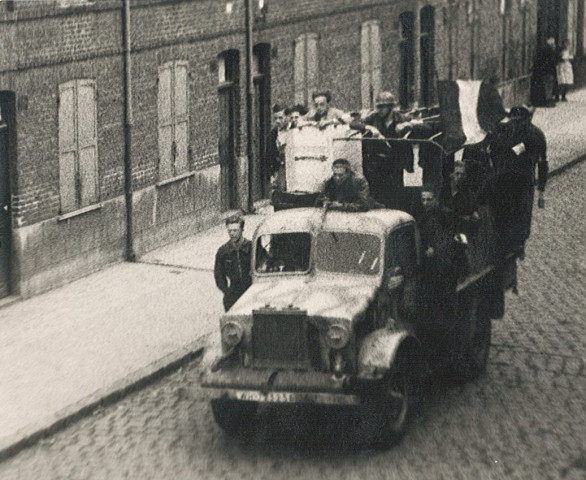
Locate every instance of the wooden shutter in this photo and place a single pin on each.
(67, 147)
(306, 67)
(312, 63)
(375, 59)
(87, 142)
(299, 71)
(370, 48)
(165, 117)
(181, 120)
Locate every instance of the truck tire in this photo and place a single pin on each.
(474, 352)
(233, 416)
(384, 415)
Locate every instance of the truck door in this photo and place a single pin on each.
(403, 256)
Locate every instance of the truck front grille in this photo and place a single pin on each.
(283, 340)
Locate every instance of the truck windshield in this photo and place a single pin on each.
(348, 252)
(283, 252)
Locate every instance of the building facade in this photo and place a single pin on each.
(64, 107)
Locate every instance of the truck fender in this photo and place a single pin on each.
(211, 353)
(380, 348)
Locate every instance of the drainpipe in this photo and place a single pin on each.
(249, 96)
(129, 253)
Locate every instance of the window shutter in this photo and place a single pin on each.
(181, 94)
(87, 142)
(365, 65)
(165, 118)
(375, 59)
(312, 63)
(370, 48)
(67, 147)
(299, 70)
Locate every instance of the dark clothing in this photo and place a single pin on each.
(544, 82)
(232, 270)
(273, 156)
(383, 162)
(436, 232)
(459, 207)
(439, 275)
(353, 193)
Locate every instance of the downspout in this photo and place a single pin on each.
(129, 254)
(249, 96)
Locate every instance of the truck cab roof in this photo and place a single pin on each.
(379, 221)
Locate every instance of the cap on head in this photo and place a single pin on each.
(385, 98)
(277, 107)
(235, 219)
(341, 162)
(521, 112)
(325, 93)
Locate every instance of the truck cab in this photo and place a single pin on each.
(330, 319)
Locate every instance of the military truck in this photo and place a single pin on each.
(336, 315)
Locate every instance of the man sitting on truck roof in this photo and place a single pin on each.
(345, 190)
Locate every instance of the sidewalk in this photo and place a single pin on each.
(64, 351)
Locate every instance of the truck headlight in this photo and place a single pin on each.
(337, 336)
(232, 334)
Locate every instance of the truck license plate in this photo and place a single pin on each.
(275, 397)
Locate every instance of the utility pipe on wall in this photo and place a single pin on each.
(249, 97)
(129, 254)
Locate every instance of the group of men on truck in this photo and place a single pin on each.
(499, 171)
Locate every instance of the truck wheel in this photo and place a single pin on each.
(384, 415)
(233, 416)
(475, 351)
(476, 355)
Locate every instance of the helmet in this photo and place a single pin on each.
(385, 98)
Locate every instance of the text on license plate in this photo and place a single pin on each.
(276, 397)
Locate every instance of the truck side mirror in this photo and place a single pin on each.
(395, 278)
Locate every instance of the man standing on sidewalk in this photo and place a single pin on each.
(232, 266)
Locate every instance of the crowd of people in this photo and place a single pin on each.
(502, 171)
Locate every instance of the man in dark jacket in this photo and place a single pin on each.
(232, 266)
(384, 162)
(517, 151)
(439, 272)
(345, 190)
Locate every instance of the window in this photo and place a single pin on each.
(348, 252)
(305, 67)
(78, 144)
(283, 252)
(370, 50)
(426, 42)
(407, 53)
(173, 111)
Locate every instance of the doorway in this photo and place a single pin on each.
(262, 118)
(7, 144)
(228, 93)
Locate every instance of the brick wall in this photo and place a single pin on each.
(47, 45)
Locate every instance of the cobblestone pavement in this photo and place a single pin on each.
(525, 418)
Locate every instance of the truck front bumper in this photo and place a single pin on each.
(275, 386)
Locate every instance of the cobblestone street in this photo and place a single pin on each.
(525, 418)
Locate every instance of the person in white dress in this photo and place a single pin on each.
(564, 71)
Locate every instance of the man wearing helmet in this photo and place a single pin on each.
(384, 162)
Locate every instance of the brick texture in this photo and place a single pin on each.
(47, 45)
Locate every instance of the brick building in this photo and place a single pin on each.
(62, 94)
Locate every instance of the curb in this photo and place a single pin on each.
(134, 381)
(566, 166)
